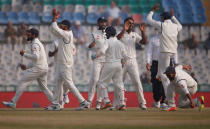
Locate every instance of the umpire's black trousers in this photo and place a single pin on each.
(157, 87)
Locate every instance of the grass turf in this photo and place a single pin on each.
(132, 118)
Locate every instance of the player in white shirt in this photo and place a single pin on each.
(36, 70)
(115, 54)
(169, 28)
(53, 53)
(97, 42)
(152, 54)
(129, 39)
(64, 63)
(183, 84)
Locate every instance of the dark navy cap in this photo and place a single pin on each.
(33, 31)
(66, 23)
(101, 19)
(170, 70)
(166, 15)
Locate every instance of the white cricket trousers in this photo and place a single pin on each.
(131, 67)
(163, 63)
(183, 101)
(30, 75)
(112, 71)
(64, 75)
(96, 71)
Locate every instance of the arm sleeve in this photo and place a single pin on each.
(176, 58)
(59, 32)
(35, 53)
(149, 51)
(152, 22)
(124, 54)
(179, 26)
(102, 50)
(138, 37)
(183, 85)
(179, 67)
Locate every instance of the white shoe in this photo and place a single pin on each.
(143, 106)
(156, 104)
(66, 98)
(164, 107)
(98, 105)
(9, 104)
(83, 105)
(53, 108)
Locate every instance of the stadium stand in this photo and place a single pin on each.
(191, 13)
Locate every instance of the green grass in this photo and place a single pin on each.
(132, 118)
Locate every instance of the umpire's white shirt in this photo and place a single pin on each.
(99, 37)
(129, 40)
(169, 32)
(37, 55)
(65, 39)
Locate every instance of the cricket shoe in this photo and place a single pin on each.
(98, 105)
(113, 108)
(172, 109)
(164, 107)
(201, 106)
(66, 98)
(107, 105)
(53, 108)
(83, 105)
(143, 106)
(9, 104)
(122, 108)
(156, 104)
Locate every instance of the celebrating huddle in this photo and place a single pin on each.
(114, 56)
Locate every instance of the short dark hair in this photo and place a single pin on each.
(128, 18)
(33, 31)
(166, 15)
(66, 23)
(110, 31)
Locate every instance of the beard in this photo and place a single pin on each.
(171, 78)
(29, 39)
(101, 27)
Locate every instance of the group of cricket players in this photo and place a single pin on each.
(114, 56)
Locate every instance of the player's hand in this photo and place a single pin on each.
(142, 27)
(148, 66)
(155, 7)
(172, 12)
(55, 13)
(187, 67)
(22, 52)
(23, 67)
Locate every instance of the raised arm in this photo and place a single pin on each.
(151, 21)
(179, 26)
(142, 28)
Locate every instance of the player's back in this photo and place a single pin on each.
(115, 50)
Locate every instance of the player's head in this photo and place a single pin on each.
(65, 25)
(101, 23)
(165, 16)
(130, 22)
(32, 34)
(170, 73)
(110, 32)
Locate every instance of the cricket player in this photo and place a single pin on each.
(53, 53)
(129, 39)
(152, 54)
(97, 42)
(64, 63)
(183, 84)
(169, 28)
(115, 54)
(36, 70)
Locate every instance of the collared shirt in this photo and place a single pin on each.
(169, 32)
(99, 37)
(183, 79)
(129, 40)
(65, 41)
(114, 50)
(152, 50)
(37, 55)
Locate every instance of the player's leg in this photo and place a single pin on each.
(65, 93)
(134, 75)
(94, 80)
(42, 81)
(170, 96)
(119, 86)
(29, 75)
